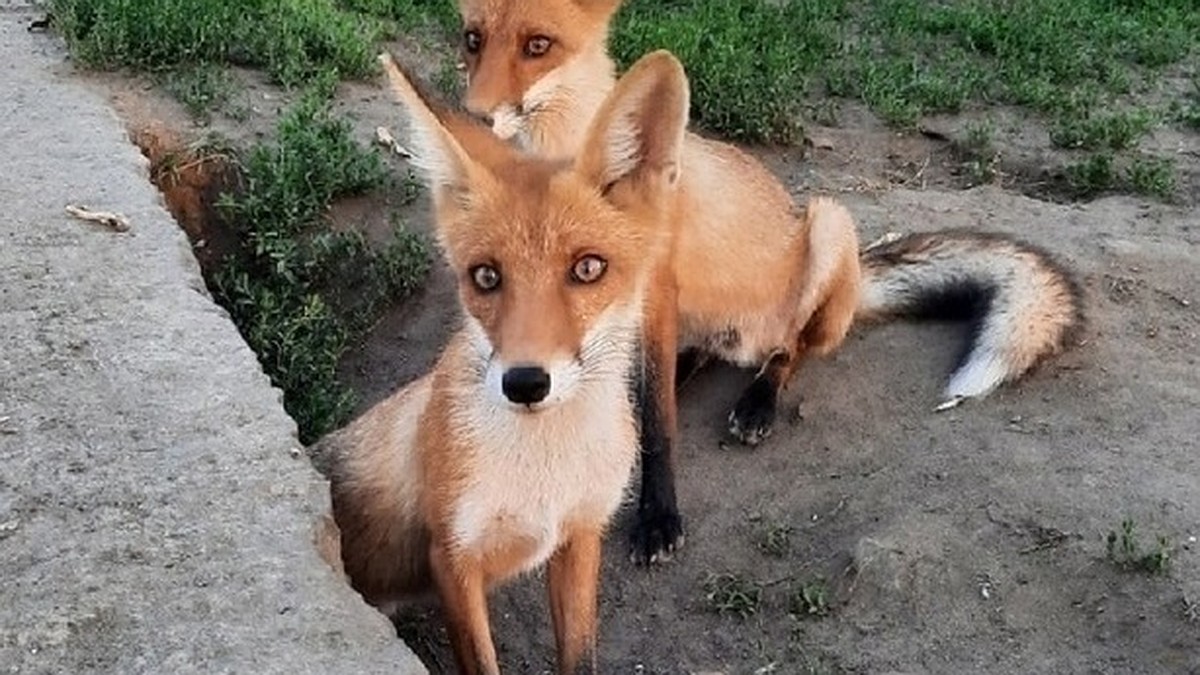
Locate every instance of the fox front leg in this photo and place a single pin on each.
(658, 530)
(460, 588)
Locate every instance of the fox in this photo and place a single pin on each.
(760, 283)
(518, 447)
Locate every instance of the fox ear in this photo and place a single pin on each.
(437, 153)
(636, 138)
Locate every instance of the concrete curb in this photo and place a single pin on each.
(154, 515)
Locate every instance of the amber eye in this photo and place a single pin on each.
(472, 41)
(588, 269)
(485, 277)
(537, 46)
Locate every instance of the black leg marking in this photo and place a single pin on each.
(754, 415)
(689, 363)
(658, 529)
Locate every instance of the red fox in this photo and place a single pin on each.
(757, 285)
(517, 449)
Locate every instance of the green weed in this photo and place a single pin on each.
(809, 599)
(202, 88)
(1125, 551)
(1188, 110)
(732, 594)
(1115, 131)
(1091, 176)
(775, 540)
(978, 151)
(297, 291)
(1152, 177)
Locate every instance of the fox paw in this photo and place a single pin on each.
(754, 415)
(656, 537)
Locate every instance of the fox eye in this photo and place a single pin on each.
(537, 46)
(588, 269)
(472, 41)
(485, 277)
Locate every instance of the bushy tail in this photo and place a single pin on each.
(1022, 306)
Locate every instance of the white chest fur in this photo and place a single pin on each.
(533, 474)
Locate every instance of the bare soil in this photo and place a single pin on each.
(966, 541)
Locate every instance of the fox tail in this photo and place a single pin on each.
(1022, 306)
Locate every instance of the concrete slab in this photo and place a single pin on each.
(153, 518)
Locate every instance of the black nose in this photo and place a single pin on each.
(526, 384)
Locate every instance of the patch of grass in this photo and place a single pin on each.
(755, 66)
(1115, 131)
(1187, 109)
(1091, 176)
(201, 88)
(1152, 177)
(774, 539)
(732, 594)
(750, 63)
(1125, 551)
(291, 39)
(809, 600)
(979, 151)
(411, 15)
(298, 291)
(1064, 58)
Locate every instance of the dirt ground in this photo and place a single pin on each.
(965, 541)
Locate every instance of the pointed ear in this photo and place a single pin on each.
(449, 171)
(636, 139)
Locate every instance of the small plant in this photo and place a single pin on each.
(1092, 176)
(732, 594)
(1112, 131)
(774, 539)
(1188, 110)
(979, 137)
(809, 600)
(1152, 177)
(979, 151)
(1125, 551)
(201, 88)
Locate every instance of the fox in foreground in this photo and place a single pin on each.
(517, 449)
(757, 285)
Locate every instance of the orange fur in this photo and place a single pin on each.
(746, 264)
(1023, 303)
(452, 484)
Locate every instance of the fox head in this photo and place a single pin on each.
(529, 59)
(553, 257)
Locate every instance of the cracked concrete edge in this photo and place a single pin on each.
(153, 515)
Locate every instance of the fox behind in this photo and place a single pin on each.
(757, 285)
(517, 448)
